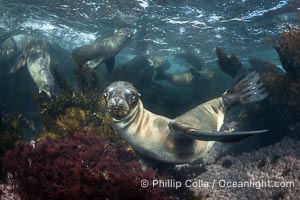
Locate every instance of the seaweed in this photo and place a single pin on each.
(288, 50)
(10, 130)
(86, 79)
(62, 82)
(283, 87)
(81, 166)
(265, 67)
(76, 109)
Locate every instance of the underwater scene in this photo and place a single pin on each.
(149, 99)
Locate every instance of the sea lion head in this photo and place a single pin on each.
(124, 33)
(121, 99)
(8, 49)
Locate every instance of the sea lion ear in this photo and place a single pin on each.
(139, 95)
(186, 131)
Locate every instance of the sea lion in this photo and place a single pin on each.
(185, 138)
(94, 54)
(192, 77)
(13, 46)
(192, 57)
(230, 65)
(35, 56)
(139, 70)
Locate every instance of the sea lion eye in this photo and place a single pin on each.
(105, 94)
(132, 96)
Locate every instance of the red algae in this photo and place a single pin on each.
(82, 166)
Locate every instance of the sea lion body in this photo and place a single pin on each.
(185, 138)
(151, 137)
(139, 70)
(188, 78)
(192, 57)
(94, 54)
(36, 57)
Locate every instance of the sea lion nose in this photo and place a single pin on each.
(117, 100)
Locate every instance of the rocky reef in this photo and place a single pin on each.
(276, 164)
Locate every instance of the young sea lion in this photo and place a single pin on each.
(94, 54)
(193, 58)
(185, 138)
(36, 57)
(139, 70)
(192, 77)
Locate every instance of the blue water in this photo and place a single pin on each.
(162, 26)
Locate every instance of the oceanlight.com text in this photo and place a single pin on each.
(257, 184)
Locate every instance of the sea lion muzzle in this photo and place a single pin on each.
(118, 107)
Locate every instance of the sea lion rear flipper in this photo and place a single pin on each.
(110, 64)
(184, 130)
(21, 62)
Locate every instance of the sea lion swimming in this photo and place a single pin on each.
(192, 57)
(192, 77)
(140, 70)
(185, 138)
(35, 56)
(94, 54)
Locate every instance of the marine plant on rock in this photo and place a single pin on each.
(288, 50)
(284, 88)
(75, 108)
(280, 112)
(81, 166)
(10, 130)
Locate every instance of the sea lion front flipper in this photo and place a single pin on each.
(93, 64)
(184, 130)
(21, 62)
(247, 89)
(110, 64)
